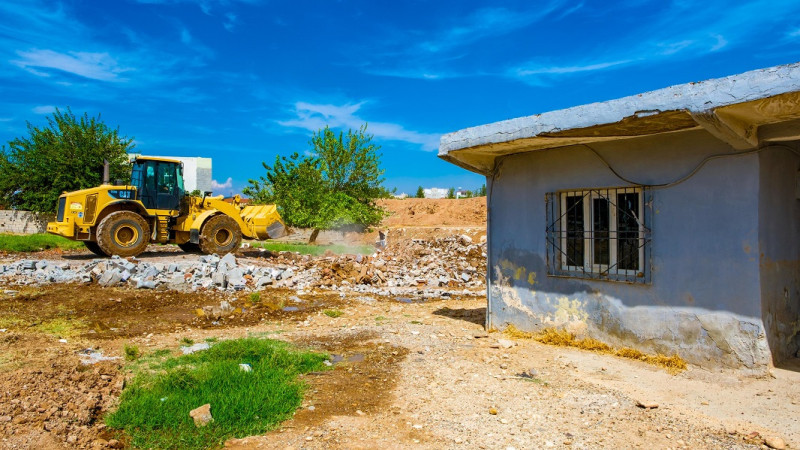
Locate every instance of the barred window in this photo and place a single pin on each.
(599, 233)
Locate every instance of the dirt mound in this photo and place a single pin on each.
(428, 212)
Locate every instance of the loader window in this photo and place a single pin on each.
(169, 191)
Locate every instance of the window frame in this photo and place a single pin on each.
(558, 234)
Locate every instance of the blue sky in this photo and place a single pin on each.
(242, 81)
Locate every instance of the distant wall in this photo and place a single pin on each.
(23, 222)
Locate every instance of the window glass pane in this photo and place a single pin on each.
(628, 231)
(574, 217)
(600, 229)
(166, 177)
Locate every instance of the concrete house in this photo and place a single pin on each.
(668, 221)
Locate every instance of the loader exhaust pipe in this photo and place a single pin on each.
(106, 176)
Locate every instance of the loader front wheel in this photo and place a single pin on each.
(123, 233)
(220, 235)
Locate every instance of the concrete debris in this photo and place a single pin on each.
(188, 350)
(775, 442)
(419, 268)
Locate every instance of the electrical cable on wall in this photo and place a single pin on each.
(692, 172)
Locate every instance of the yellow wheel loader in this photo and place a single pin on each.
(154, 208)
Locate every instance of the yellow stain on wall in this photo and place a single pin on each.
(568, 310)
(517, 272)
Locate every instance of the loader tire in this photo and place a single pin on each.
(123, 233)
(190, 248)
(94, 248)
(221, 235)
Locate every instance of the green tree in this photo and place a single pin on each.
(420, 193)
(451, 193)
(335, 184)
(65, 155)
(481, 192)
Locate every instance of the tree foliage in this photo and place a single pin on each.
(334, 184)
(451, 193)
(65, 155)
(420, 193)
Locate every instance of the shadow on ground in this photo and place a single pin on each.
(474, 315)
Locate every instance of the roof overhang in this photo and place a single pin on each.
(746, 111)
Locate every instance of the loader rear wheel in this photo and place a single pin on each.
(123, 233)
(190, 248)
(94, 248)
(220, 235)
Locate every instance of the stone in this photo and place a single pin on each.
(201, 415)
(245, 367)
(505, 343)
(465, 240)
(775, 442)
(465, 277)
(40, 265)
(646, 404)
(493, 411)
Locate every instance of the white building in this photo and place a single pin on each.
(435, 192)
(196, 171)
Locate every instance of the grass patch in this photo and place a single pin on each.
(333, 313)
(254, 297)
(313, 249)
(551, 336)
(154, 408)
(36, 242)
(187, 341)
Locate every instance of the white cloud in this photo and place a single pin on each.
(186, 37)
(312, 117)
(95, 66)
(794, 33)
(721, 43)
(217, 186)
(230, 21)
(44, 109)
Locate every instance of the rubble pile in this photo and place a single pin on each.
(425, 268)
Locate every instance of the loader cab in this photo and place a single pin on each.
(159, 182)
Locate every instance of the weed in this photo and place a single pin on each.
(333, 313)
(552, 336)
(154, 408)
(381, 318)
(255, 297)
(416, 322)
(132, 352)
(211, 340)
(187, 341)
(61, 327)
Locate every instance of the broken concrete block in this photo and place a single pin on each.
(264, 281)
(229, 260)
(219, 279)
(110, 278)
(464, 239)
(145, 284)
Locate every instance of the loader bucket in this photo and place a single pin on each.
(264, 221)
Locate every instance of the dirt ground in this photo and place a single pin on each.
(406, 374)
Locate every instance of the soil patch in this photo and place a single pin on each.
(462, 212)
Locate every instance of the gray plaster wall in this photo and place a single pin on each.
(779, 237)
(23, 222)
(704, 299)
